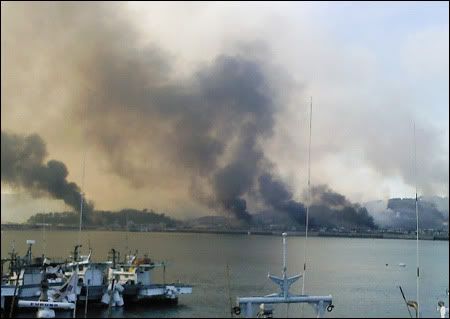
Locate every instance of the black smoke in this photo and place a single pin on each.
(328, 208)
(222, 111)
(203, 130)
(332, 209)
(207, 127)
(23, 165)
(278, 197)
(152, 124)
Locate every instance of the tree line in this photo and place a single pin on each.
(122, 218)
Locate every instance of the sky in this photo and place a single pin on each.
(124, 85)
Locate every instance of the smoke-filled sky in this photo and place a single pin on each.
(195, 108)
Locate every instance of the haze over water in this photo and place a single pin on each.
(353, 271)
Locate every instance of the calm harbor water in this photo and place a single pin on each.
(352, 270)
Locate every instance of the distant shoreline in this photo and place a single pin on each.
(374, 235)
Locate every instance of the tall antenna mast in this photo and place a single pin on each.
(309, 197)
(82, 179)
(417, 226)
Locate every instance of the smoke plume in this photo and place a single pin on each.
(203, 129)
(23, 165)
(152, 125)
(278, 197)
(208, 126)
(329, 208)
(402, 214)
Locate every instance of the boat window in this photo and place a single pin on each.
(80, 267)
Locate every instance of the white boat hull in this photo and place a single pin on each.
(162, 291)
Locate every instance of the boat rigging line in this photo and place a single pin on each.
(229, 290)
(406, 302)
(417, 225)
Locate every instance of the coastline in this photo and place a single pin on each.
(343, 234)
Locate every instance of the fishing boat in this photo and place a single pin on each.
(61, 299)
(24, 277)
(92, 276)
(135, 276)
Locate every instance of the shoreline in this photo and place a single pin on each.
(347, 234)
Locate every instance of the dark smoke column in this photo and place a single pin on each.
(278, 197)
(22, 165)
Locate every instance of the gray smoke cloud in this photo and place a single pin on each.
(401, 213)
(23, 165)
(149, 122)
(324, 195)
(205, 128)
(220, 112)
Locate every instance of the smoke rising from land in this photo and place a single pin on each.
(23, 165)
(324, 195)
(400, 213)
(200, 133)
(329, 208)
(206, 128)
(278, 197)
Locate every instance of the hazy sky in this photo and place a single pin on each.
(372, 69)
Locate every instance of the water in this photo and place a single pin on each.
(352, 270)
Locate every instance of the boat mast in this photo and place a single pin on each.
(81, 201)
(417, 225)
(44, 241)
(309, 198)
(126, 237)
